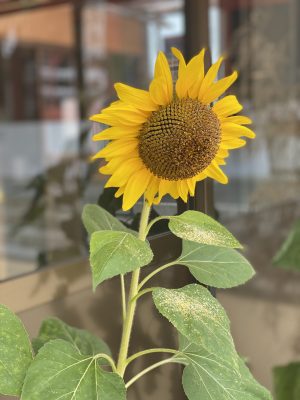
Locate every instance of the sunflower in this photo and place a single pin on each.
(164, 140)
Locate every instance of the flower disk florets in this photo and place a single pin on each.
(179, 140)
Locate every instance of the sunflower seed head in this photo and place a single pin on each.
(180, 140)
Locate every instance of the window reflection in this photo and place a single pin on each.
(45, 137)
(261, 203)
(39, 138)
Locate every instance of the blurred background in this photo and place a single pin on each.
(58, 63)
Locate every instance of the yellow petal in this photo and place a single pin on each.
(195, 74)
(183, 189)
(218, 88)
(125, 156)
(115, 162)
(162, 70)
(116, 133)
(181, 86)
(220, 161)
(238, 119)
(120, 118)
(199, 177)
(152, 189)
(117, 103)
(227, 106)
(123, 172)
(181, 66)
(171, 188)
(214, 172)
(190, 76)
(135, 187)
(126, 111)
(111, 166)
(234, 130)
(233, 143)
(116, 148)
(139, 98)
(119, 192)
(158, 92)
(209, 78)
(191, 185)
(223, 153)
(166, 186)
(127, 114)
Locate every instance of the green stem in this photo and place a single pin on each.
(131, 306)
(123, 294)
(145, 371)
(153, 222)
(156, 271)
(107, 358)
(141, 293)
(150, 351)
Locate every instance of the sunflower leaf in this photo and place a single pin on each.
(215, 266)
(96, 218)
(15, 353)
(288, 256)
(287, 381)
(206, 376)
(113, 253)
(253, 390)
(199, 227)
(196, 314)
(59, 371)
(86, 343)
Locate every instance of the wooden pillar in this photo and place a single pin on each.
(197, 37)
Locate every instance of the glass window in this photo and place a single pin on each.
(261, 202)
(57, 67)
(38, 139)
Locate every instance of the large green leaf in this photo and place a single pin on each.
(196, 314)
(253, 390)
(96, 218)
(288, 256)
(15, 353)
(113, 253)
(198, 227)
(287, 382)
(85, 342)
(215, 266)
(60, 372)
(207, 377)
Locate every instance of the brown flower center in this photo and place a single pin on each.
(180, 140)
